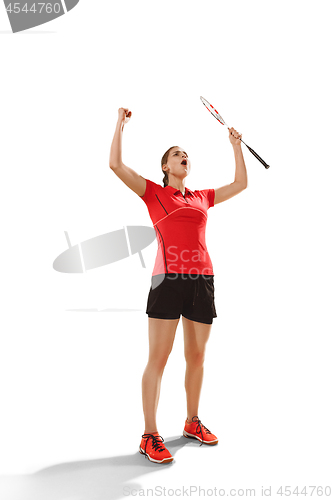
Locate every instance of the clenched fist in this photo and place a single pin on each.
(124, 115)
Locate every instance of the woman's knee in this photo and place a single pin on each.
(195, 358)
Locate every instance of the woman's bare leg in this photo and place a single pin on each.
(195, 338)
(161, 333)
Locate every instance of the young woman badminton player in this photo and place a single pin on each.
(182, 280)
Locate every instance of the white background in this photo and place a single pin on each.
(71, 380)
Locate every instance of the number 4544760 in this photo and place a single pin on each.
(35, 8)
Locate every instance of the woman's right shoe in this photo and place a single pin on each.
(151, 446)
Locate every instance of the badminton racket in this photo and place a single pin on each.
(219, 118)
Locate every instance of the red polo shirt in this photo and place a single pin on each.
(180, 225)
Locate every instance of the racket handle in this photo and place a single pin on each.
(257, 156)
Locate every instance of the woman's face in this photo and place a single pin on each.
(178, 163)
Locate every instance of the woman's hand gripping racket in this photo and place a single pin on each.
(216, 114)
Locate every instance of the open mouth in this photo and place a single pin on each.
(184, 162)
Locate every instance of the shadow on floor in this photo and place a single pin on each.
(99, 479)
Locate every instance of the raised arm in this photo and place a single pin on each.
(240, 183)
(133, 180)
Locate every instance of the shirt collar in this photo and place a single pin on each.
(177, 191)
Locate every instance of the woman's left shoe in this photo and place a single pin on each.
(196, 430)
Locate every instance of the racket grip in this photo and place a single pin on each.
(257, 156)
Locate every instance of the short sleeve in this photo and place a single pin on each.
(149, 193)
(211, 197)
(209, 194)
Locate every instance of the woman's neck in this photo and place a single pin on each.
(177, 184)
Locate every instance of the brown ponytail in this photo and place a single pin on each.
(163, 162)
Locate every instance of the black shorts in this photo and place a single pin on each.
(191, 295)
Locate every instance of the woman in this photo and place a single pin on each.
(182, 280)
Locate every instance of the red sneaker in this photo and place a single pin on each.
(151, 446)
(196, 430)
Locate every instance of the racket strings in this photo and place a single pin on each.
(213, 111)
